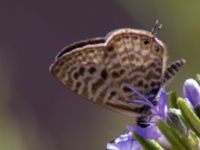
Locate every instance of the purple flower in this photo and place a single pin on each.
(124, 142)
(160, 109)
(191, 91)
(160, 112)
(127, 141)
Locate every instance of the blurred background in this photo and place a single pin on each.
(36, 112)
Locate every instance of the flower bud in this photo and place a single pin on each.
(191, 90)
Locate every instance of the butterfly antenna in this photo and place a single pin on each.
(156, 28)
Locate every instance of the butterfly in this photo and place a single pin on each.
(97, 68)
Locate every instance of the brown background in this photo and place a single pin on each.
(36, 112)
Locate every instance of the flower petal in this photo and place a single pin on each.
(124, 142)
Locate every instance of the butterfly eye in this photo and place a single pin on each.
(157, 50)
(146, 41)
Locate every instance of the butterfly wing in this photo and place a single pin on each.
(97, 69)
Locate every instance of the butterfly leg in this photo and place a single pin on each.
(172, 69)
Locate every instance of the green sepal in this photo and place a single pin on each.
(177, 142)
(147, 144)
(172, 98)
(190, 117)
(194, 141)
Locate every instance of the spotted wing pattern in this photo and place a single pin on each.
(97, 69)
